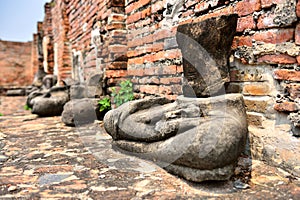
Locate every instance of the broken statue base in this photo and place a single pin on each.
(198, 139)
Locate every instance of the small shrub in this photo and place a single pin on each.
(1, 114)
(104, 104)
(26, 107)
(125, 93)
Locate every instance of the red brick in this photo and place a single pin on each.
(136, 72)
(245, 23)
(190, 3)
(247, 7)
(158, 5)
(298, 59)
(224, 11)
(136, 61)
(16, 64)
(151, 71)
(115, 25)
(202, 6)
(205, 5)
(277, 59)
(266, 21)
(241, 41)
(269, 3)
(170, 80)
(274, 36)
(286, 107)
(171, 69)
(149, 80)
(180, 69)
(165, 90)
(135, 6)
(117, 65)
(284, 74)
(117, 49)
(149, 89)
(298, 9)
(116, 73)
(297, 34)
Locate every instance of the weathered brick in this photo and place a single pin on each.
(258, 89)
(224, 11)
(297, 34)
(286, 107)
(277, 59)
(172, 69)
(117, 49)
(117, 65)
(284, 74)
(245, 23)
(269, 3)
(241, 41)
(136, 72)
(15, 63)
(266, 20)
(247, 7)
(149, 89)
(165, 90)
(298, 9)
(274, 36)
(116, 73)
(298, 59)
(137, 61)
(170, 80)
(136, 5)
(278, 17)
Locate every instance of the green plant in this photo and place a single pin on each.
(26, 107)
(104, 104)
(1, 114)
(123, 95)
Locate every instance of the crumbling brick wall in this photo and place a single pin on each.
(135, 39)
(15, 64)
(264, 65)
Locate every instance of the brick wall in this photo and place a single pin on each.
(15, 64)
(135, 39)
(264, 64)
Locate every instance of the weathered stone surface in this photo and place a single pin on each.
(85, 91)
(32, 96)
(15, 92)
(276, 146)
(81, 111)
(196, 138)
(95, 80)
(77, 92)
(38, 77)
(206, 47)
(51, 103)
(3, 158)
(49, 81)
(295, 119)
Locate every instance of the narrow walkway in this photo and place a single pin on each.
(41, 158)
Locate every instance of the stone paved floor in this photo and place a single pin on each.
(41, 158)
